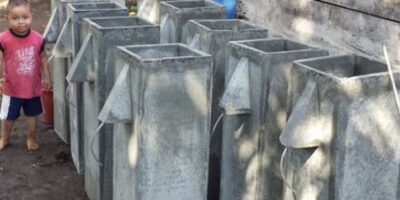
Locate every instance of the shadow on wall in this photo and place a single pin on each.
(337, 29)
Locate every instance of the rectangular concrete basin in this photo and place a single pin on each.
(78, 11)
(58, 18)
(175, 14)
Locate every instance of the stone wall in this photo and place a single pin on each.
(356, 26)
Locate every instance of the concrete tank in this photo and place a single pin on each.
(255, 104)
(67, 46)
(163, 95)
(94, 66)
(342, 132)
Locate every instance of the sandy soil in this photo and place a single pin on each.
(47, 174)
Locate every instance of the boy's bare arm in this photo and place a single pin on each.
(1, 73)
(46, 71)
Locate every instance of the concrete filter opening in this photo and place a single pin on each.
(175, 15)
(67, 46)
(254, 104)
(59, 70)
(163, 152)
(347, 66)
(335, 135)
(212, 36)
(94, 67)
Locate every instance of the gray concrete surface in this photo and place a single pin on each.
(51, 34)
(341, 132)
(256, 87)
(94, 67)
(55, 2)
(212, 36)
(175, 14)
(337, 29)
(58, 18)
(386, 9)
(163, 152)
(59, 67)
(68, 45)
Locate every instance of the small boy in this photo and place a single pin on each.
(22, 58)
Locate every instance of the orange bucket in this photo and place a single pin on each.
(47, 104)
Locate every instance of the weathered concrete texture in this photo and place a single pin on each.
(54, 2)
(61, 118)
(59, 67)
(94, 67)
(212, 36)
(250, 145)
(386, 9)
(175, 14)
(59, 70)
(163, 152)
(68, 45)
(58, 18)
(342, 130)
(334, 28)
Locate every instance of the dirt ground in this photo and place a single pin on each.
(47, 174)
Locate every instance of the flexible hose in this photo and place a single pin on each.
(396, 95)
(67, 94)
(283, 174)
(216, 123)
(96, 133)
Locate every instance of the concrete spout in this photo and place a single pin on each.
(236, 98)
(82, 67)
(117, 108)
(304, 124)
(52, 29)
(63, 46)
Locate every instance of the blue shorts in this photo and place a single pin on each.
(11, 107)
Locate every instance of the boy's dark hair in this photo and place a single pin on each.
(16, 3)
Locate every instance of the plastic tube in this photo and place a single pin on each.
(96, 133)
(396, 95)
(283, 174)
(216, 123)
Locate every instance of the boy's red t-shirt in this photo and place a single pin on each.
(22, 66)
